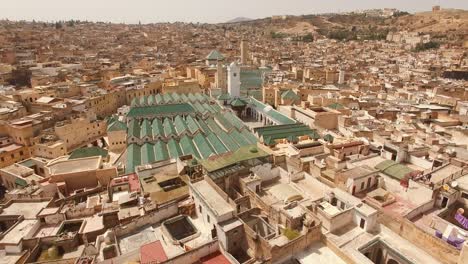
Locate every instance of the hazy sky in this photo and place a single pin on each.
(212, 11)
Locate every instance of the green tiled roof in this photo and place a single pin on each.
(133, 158)
(335, 106)
(188, 147)
(249, 136)
(192, 124)
(176, 97)
(393, 169)
(174, 148)
(233, 119)
(135, 102)
(241, 140)
(160, 150)
(179, 124)
(227, 159)
(291, 132)
(157, 127)
(111, 119)
(168, 127)
(203, 126)
(216, 144)
(237, 102)
(143, 100)
(134, 129)
(228, 141)
(167, 98)
(184, 98)
(159, 99)
(146, 130)
(147, 154)
(270, 112)
(117, 126)
(154, 110)
(192, 97)
(203, 147)
(88, 152)
(252, 79)
(151, 100)
(224, 96)
(215, 55)
(290, 95)
(224, 122)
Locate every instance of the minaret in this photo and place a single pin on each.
(244, 52)
(234, 80)
(220, 77)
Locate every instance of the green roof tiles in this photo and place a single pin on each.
(176, 97)
(335, 106)
(133, 158)
(148, 111)
(117, 126)
(237, 102)
(174, 148)
(169, 129)
(134, 129)
(290, 95)
(167, 98)
(217, 145)
(192, 97)
(252, 79)
(393, 169)
(228, 141)
(291, 132)
(227, 159)
(203, 147)
(179, 124)
(135, 102)
(224, 122)
(184, 98)
(233, 119)
(147, 154)
(188, 147)
(143, 100)
(160, 150)
(192, 124)
(204, 126)
(224, 96)
(241, 140)
(270, 112)
(88, 152)
(249, 136)
(146, 130)
(158, 129)
(151, 100)
(159, 99)
(215, 55)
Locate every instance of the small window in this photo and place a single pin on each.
(208, 218)
(200, 209)
(464, 195)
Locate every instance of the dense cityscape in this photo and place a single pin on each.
(326, 138)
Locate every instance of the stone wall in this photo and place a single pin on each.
(432, 245)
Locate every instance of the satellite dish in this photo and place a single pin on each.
(454, 184)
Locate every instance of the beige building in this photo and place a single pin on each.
(79, 131)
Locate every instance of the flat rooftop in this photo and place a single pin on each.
(28, 209)
(20, 231)
(76, 165)
(215, 201)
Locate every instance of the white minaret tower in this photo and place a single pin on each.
(234, 80)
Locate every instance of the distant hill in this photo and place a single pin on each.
(239, 19)
(448, 24)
